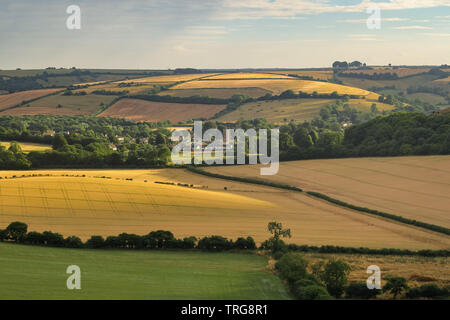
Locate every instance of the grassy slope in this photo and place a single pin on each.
(30, 272)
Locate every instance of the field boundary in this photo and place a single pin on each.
(340, 203)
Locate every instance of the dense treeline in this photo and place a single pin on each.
(161, 239)
(17, 232)
(398, 134)
(373, 76)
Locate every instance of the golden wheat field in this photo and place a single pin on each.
(412, 187)
(277, 86)
(103, 202)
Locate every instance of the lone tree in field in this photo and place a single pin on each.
(395, 285)
(277, 231)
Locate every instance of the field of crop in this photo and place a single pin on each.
(428, 97)
(40, 273)
(248, 75)
(216, 93)
(316, 74)
(105, 203)
(169, 78)
(134, 89)
(13, 99)
(298, 110)
(412, 187)
(278, 111)
(28, 146)
(69, 105)
(400, 84)
(416, 270)
(141, 110)
(401, 72)
(277, 86)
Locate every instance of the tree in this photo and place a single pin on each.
(292, 267)
(277, 231)
(14, 147)
(333, 275)
(16, 231)
(395, 286)
(59, 142)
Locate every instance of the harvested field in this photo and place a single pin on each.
(278, 111)
(319, 74)
(278, 86)
(135, 89)
(299, 110)
(142, 110)
(70, 105)
(13, 99)
(401, 72)
(412, 187)
(169, 78)
(248, 75)
(92, 205)
(216, 93)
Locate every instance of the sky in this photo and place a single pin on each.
(163, 34)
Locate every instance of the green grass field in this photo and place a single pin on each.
(30, 272)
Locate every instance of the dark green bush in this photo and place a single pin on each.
(214, 243)
(96, 242)
(292, 267)
(360, 291)
(429, 290)
(73, 242)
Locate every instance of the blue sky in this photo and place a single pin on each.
(160, 34)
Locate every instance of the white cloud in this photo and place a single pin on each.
(258, 9)
(412, 28)
(365, 20)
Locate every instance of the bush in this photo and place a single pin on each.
(333, 275)
(189, 242)
(215, 243)
(158, 239)
(16, 231)
(245, 243)
(2, 234)
(312, 292)
(53, 239)
(292, 267)
(427, 291)
(360, 291)
(96, 242)
(73, 242)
